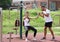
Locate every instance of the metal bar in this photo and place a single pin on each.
(16, 31)
(10, 37)
(1, 24)
(21, 8)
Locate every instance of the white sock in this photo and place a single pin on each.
(26, 39)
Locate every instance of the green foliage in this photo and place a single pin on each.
(5, 3)
(8, 24)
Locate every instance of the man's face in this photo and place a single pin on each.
(27, 14)
(43, 8)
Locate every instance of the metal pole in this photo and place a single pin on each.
(1, 24)
(21, 8)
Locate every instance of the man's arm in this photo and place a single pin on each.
(41, 15)
(47, 15)
(33, 17)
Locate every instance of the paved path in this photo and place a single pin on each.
(38, 37)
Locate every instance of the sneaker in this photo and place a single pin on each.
(53, 38)
(26, 39)
(43, 38)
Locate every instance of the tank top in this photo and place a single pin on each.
(26, 22)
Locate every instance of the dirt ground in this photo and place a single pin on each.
(16, 38)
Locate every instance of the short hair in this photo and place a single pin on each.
(43, 6)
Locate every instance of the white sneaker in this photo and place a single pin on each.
(26, 39)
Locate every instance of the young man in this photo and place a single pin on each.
(48, 21)
(28, 27)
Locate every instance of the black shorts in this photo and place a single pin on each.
(48, 24)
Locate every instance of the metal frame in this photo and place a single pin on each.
(1, 15)
(19, 7)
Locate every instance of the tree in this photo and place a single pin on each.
(5, 4)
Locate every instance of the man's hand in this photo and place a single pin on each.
(47, 15)
(40, 14)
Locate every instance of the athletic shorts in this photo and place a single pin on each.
(48, 24)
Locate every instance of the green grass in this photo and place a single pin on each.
(8, 23)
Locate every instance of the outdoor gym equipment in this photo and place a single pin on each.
(10, 32)
(17, 22)
(10, 36)
(21, 6)
(16, 28)
(21, 9)
(1, 24)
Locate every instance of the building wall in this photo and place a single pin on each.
(29, 6)
(38, 3)
(58, 4)
(54, 0)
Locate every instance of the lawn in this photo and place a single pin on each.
(9, 20)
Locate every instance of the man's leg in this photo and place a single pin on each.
(50, 29)
(26, 33)
(34, 30)
(45, 32)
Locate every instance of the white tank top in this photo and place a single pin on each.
(26, 22)
(47, 19)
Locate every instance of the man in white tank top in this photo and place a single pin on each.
(48, 21)
(47, 18)
(27, 26)
(26, 22)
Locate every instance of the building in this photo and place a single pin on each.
(51, 4)
(54, 4)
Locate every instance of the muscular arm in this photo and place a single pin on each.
(42, 15)
(33, 17)
(47, 15)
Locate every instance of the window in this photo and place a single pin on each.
(43, 3)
